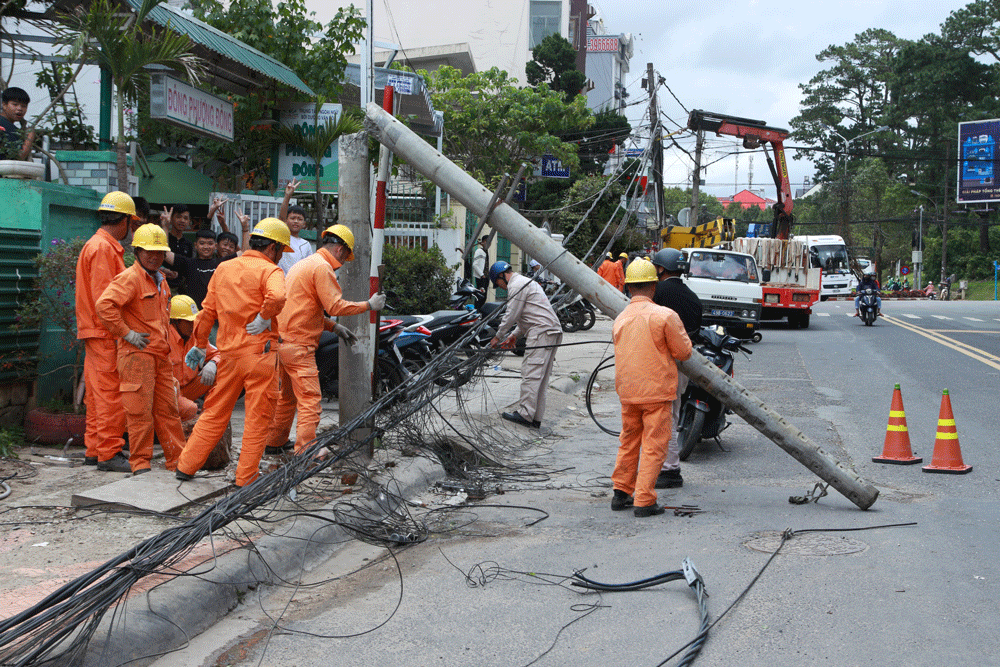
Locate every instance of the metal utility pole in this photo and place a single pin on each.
(442, 171)
(944, 223)
(355, 367)
(657, 156)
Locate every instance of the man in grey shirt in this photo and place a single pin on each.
(530, 314)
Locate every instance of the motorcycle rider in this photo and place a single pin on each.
(672, 293)
(868, 281)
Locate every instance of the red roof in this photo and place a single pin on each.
(746, 199)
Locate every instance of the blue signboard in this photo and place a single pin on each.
(553, 168)
(634, 152)
(979, 169)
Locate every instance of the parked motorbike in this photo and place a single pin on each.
(388, 363)
(441, 329)
(466, 295)
(575, 313)
(702, 415)
(868, 305)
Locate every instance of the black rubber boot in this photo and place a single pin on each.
(620, 501)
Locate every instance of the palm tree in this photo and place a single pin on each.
(122, 46)
(316, 144)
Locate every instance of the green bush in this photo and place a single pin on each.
(417, 281)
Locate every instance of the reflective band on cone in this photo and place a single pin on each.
(896, 449)
(947, 452)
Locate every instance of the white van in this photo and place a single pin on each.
(829, 253)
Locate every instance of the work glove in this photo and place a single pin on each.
(208, 374)
(377, 302)
(345, 334)
(136, 339)
(194, 357)
(258, 326)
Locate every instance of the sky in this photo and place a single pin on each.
(747, 58)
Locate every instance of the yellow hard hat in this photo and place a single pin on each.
(183, 307)
(274, 229)
(150, 237)
(118, 202)
(610, 256)
(640, 271)
(345, 235)
(624, 255)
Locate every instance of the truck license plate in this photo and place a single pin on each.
(723, 313)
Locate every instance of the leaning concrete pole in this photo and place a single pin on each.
(355, 362)
(442, 171)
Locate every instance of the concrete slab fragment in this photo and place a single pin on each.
(156, 491)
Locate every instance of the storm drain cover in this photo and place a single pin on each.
(806, 544)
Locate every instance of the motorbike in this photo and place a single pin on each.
(575, 313)
(388, 363)
(439, 331)
(702, 415)
(466, 296)
(868, 305)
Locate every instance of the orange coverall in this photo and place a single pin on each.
(648, 338)
(189, 380)
(613, 273)
(99, 262)
(312, 288)
(136, 300)
(239, 290)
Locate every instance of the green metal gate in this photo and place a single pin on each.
(18, 249)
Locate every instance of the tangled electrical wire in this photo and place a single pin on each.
(423, 414)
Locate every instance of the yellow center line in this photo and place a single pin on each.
(968, 350)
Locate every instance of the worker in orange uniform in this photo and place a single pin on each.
(311, 288)
(100, 261)
(648, 339)
(244, 295)
(135, 308)
(612, 271)
(193, 384)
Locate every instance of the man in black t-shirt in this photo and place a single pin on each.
(175, 221)
(196, 272)
(13, 106)
(674, 294)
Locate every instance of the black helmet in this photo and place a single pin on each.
(670, 259)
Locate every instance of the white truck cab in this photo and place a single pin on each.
(829, 253)
(729, 286)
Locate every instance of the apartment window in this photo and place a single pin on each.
(545, 18)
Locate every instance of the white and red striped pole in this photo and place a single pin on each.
(378, 223)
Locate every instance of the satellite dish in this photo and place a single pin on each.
(684, 217)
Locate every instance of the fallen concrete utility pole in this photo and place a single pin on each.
(451, 178)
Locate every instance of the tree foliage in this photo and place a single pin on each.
(416, 280)
(493, 125)
(553, 62)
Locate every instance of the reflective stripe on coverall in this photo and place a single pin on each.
(311, 288)
(136, 301)
(240, 289)
(648, 338)
(99, 262)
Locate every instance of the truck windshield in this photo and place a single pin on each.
(723, 266)
(829, 257)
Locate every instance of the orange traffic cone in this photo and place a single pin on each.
(897, 439)
(947, 453)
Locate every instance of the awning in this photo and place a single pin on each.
(173, 182)
(232, 65)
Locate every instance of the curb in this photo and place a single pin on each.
(170, 614)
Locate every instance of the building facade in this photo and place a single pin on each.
(608, 59)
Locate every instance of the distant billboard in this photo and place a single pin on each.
(980, 161)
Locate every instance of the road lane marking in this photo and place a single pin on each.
(912, 317)
(940, 317)
(973, 319)
(823, 314)
(968, 350)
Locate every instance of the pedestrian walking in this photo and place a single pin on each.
(648, 339)
(311, 289)
(135, 308)
(245, 294)
(530, 314)
(101, 259)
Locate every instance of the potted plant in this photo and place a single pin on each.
(52, 303)
(13, 167)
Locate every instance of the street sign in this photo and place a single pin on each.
(904, 270)
(521, 192)
(634, 152)
(189, 108)
(293, 163)
(553, 168)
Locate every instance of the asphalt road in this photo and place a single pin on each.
(474, 594)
